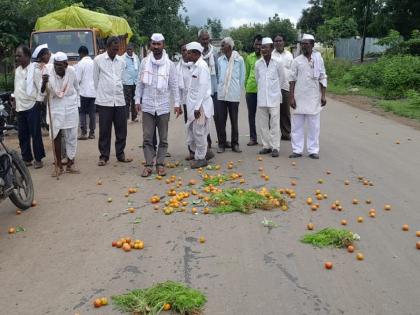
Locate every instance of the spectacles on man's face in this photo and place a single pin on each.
(278, 40)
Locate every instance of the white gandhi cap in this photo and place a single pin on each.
(38, 50)
(157, 37)
(266, 40)
(60, 56)
(195, 46)
(308, 37)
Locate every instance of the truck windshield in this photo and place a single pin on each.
(65, 41)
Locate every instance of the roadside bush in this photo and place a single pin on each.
(391, 76)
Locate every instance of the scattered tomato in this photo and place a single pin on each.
(405, 227)
(97, 303)
(350, 248)
(310, 226)
(328, 265)
(104, 301)
(12, 230)
(126, 247)
(167, 307)
(343, 222)
(360, 256)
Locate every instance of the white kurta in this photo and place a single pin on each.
(64, 101)
(286, 58)
(184, 77)
(199, 98)
(308, 103)
(270, 80)
(307, 87)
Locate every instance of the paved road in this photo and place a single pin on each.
(64, 259)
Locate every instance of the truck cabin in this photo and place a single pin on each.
(69, 41)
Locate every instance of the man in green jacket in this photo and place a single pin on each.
(251, 89)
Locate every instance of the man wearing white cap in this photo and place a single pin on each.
(63, 91)
(308, 83)
(156, 83)
(41, 58)
(107, 75)
(199, 106)
(28, 110)
(270, 77)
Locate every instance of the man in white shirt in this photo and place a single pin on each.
(183, 69)
(308, 82)
(286, 58)
(63, 92)
(199, 106)
(231, 82)
(28, 111)
(270, 77)
(107, 76)
(156, 83)
(84, 72)
(210, 57)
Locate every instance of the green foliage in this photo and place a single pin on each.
(244, 201)
(380, 15)
(244, 35)
(407, 107)
(391, 76)
(337, 27)
(329, 237)
(311, 18)
(215, 27)
(182, 299)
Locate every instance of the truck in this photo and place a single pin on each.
(69, 28)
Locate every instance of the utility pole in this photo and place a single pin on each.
(367, 13)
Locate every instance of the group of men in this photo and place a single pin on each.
(200, 86)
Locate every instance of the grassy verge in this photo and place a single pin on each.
(405, 107)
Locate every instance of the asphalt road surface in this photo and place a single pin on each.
(64, 259)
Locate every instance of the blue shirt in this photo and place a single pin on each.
(237, 80)
(131, 70)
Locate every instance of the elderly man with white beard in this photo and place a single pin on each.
(63, 91)
(199, 106)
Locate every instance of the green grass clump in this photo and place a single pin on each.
(329, 237)
(215, 180)
(150, 301)
(239, 200)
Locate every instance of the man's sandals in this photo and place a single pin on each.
(147, 171)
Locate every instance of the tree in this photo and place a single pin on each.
(275, 26)
(311, 18)
(244, 35)
(215, 27)
(338, 27)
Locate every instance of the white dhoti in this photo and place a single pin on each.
(70, 137)
(197, 137)
(268, 121)
(298, 133)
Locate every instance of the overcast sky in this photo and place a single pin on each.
(237, 12)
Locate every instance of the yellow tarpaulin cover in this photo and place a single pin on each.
(76, 17)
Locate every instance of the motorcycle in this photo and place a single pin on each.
(15, 178)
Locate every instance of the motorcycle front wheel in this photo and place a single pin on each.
(23, 191)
